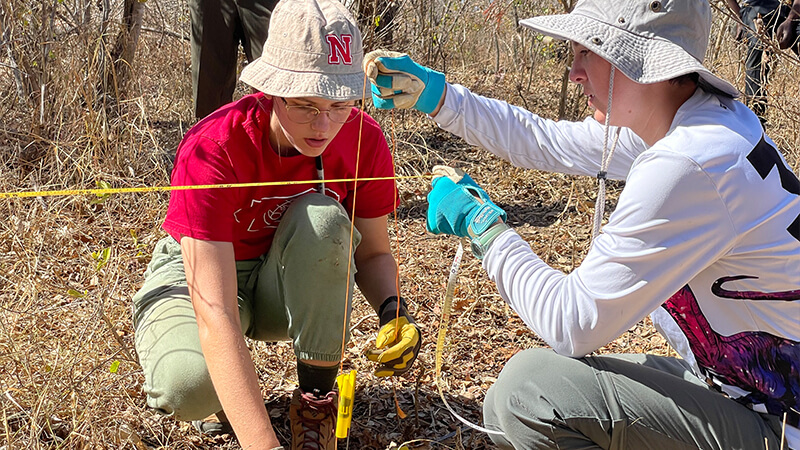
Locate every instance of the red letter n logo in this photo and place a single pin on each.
(339, 49)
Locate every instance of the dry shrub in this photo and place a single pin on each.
(70, 264)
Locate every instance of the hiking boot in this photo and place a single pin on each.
(213, 426)
(313, 420)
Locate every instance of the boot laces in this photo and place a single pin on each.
(314, 411)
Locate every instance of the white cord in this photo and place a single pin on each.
(600, 204)
(443, 319)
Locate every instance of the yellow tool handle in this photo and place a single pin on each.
(347, 387)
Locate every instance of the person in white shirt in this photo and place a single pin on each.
(705, 238)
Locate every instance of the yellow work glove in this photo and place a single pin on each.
(398, 341)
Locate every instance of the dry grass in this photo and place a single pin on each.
(69, 265)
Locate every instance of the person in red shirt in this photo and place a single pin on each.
(276, 261)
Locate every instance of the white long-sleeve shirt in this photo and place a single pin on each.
(705, 236)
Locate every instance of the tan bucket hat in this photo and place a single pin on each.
(648, 40)
(313, 49)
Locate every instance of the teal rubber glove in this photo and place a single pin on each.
(399, 82)
(458, 206)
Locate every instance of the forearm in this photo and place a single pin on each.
(734, 6)
(794, 14)
(377, 270)
(398, 340)
(377, 278)
(236, 384)
(529, 141)
(211, 276)
(572, 317)
(669, 216)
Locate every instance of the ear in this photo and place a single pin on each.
(269, 97)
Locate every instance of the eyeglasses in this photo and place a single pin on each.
(307, 114)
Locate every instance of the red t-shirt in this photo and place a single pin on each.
(232, 146)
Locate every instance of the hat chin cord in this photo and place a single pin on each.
(600, 203)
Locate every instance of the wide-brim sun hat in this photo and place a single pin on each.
(647, 40)
(313, 49)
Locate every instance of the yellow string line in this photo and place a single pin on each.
(107, 191)
(347, 306)
(400, 411)
(396, 235)
(351, 253)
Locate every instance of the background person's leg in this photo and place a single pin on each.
(756, 68)
(215, 51)
(544, 400)
(255, 16)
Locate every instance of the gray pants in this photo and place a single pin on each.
(543, 400)
(298, 291)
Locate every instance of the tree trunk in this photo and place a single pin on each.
(562, 102)
(375, 19)
(125, 47)
(6, 38)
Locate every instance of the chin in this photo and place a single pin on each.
(312, 152)
(599, 116)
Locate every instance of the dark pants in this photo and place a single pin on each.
(218, 26)
(756, 64)
(542, 400)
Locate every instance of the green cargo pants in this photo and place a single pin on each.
(544, 400)
(298, 291)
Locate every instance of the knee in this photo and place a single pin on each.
(524, 372)
(519, 403)
(181, 387)
(320, 221)
(534, 381)
(541, 364)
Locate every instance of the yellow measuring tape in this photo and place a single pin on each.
(107, 191)
(447, 305)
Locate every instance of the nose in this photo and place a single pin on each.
(576, 73)
(322, 122)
